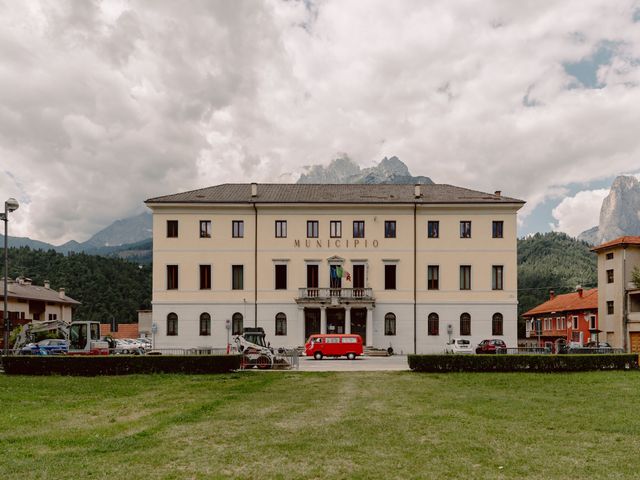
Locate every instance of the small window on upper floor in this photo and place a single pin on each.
(312, 228)
(610, 307)
(358, 229)
(465, 229)
(237, 228)
(281, 229)
(610, 256)
(335, 229)
(172, 228)
(497, 229)
(433, 229)
(610, 275)
(205, 228)
(389, 229)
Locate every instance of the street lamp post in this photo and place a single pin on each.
(10, 205)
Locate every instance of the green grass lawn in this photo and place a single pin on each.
(322, 425)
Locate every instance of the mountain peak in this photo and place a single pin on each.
(345, 170)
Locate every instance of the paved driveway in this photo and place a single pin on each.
(395, 362)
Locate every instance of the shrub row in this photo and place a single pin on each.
(521, 363)
(119, 364)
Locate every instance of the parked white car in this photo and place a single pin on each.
(458, 345)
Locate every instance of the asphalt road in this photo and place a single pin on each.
(364, 364)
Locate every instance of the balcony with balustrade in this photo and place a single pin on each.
(335, 296)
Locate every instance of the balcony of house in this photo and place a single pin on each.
(335, 296)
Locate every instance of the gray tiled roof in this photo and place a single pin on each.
(34, 292)
(332, 193)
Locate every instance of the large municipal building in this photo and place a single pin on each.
(404, 266)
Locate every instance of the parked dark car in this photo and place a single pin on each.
(592, 347)
(491, 345)
(49, 346)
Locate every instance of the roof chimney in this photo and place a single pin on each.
(61, 293)
(552, 294)
(47, 284)
(417, 191)
(498, 193)
(579, 290)
(254, 189)
(27, 281)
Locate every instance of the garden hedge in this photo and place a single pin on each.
(521, 363)
(119, 364)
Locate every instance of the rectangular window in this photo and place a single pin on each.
(312, 229)
(562, 324)
(390, 325)
(497, 229)
(312, 276)
(496, 325)
(335, 229)
(592, 322)
(281, 324)
(205, 228)
(547, 324)
(237, 277)
(433, 277)
(496, 277)
(390, 277)
(389, 229)
(205, 277)
(281, 229)
(465, 324)
(172, 228)
(465, 277)
(610, 307)
(358, 229)
(610, 275)
(610, 256)
(237, 228)
(574, 322)
(205, 324)
(281, 277)
(433, 324)
(172, 277)
(465, 229)
(433, 229)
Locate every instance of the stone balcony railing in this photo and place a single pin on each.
(335, 295)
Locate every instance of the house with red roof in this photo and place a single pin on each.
(567, 318)
(619, 298)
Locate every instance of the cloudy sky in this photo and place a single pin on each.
(106, 103)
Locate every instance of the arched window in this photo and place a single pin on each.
(281, 324)
(390, 324)
(172, 324)
(496, 324)
(465, 324)
(433, 324)
(205, 324)
(236, 324)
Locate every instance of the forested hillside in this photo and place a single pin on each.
(552, 261)
(106, 286)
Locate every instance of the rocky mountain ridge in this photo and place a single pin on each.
(344, 170)
(619, 214)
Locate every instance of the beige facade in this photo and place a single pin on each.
(27, 302)
(618, 297)
(386, 315)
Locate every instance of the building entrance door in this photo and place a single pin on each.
(335, 320)
(311, 322)
(634, 338)
(359, 322)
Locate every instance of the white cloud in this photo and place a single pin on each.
(574, 215)
(106, 103)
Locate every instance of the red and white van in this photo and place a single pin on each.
(333, 345)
